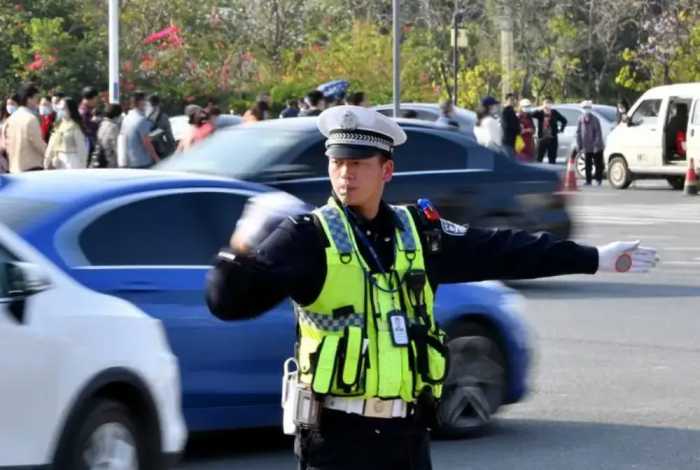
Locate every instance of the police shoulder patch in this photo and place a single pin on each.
(451, 228)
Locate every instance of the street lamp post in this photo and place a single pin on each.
(114, 51)
(396, 57)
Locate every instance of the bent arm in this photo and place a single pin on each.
(288, 263)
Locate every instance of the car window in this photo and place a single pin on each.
(696, 114)
(176, 229)
(571, 115)
(608, 112)
(237, 152)
(647, 113)
(425, 151)
(313, 159)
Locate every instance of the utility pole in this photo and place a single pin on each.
(397, 57)
(456, 19)
(114, 51)
(507, 49)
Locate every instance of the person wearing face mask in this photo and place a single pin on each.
(23, 142)
(5, 111)
(68, 145)
(527, 131)
(550, 123)
(589, 139)
(492, 137)
(47, 117)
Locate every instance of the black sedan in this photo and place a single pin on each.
(468, 183)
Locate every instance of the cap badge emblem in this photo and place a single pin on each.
(349, 120)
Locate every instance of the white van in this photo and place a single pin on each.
(661, 134)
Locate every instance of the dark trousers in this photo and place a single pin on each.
(353, 442)
(548, 146)
(597, 158)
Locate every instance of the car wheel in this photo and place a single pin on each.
(103, 436)
(619, 174)
(475, 385)
(676, 182)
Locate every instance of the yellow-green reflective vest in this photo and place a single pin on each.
(346, 346)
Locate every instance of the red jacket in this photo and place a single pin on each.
(46, 123)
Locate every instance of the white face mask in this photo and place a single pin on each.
(11, 108)
(587, 111)
(44, 110)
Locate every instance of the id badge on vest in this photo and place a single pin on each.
(399, 328)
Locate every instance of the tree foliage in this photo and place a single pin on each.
(235, 49)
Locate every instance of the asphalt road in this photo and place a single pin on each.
(617, 378)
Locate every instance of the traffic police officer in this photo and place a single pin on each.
(362, 275)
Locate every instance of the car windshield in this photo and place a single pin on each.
(608, 112)
(17, 213)
(236, 153)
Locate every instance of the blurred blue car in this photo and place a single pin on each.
(149, 237)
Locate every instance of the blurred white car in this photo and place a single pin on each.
(88, 380)
(431, 112)
(179, 123)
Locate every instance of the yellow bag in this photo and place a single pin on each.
(519, 144)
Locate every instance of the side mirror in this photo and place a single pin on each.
(21, 280)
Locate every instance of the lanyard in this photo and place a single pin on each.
(364, 240)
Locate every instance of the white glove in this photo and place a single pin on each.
(261, 216)
(624, 257)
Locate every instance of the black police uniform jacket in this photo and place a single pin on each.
(291, 262)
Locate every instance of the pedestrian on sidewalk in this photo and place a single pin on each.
(47, 118)
(527, 131)
(492, 135)
(589, 139)
(192, 112)
(136, 129)
(68, 147)
(88, 106)
(161, 131)
(510, 124)
(550, 123)
(291, 110)
(7, 107)
(105, 154)
(24, 145)
(257, 112)
(316, 102)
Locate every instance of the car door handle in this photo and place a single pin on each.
(138, 286)
(652, 129)
(692, 133)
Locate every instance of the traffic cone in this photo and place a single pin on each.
(570, 180)
(691, 180)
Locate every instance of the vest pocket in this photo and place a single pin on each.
(431, 357)
(326, 361)
(351, 359)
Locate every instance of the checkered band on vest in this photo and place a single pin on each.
(328, 322)
(358, 137)
(337, 229)
(409, 244)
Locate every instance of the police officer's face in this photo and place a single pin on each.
(360, 182)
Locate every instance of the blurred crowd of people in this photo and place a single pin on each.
(39, 132)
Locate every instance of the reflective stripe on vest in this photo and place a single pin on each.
(346, 346)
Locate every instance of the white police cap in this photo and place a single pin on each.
(354, 132)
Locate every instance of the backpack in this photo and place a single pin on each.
(158, 137)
